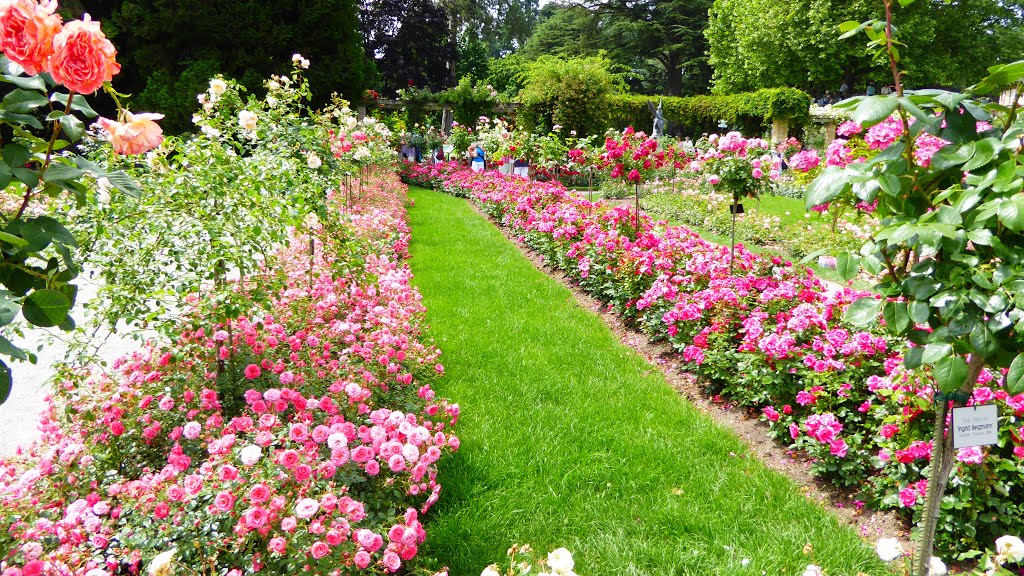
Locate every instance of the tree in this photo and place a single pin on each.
(409, 42)
(755, 44)
(565, 32)
(668, 33)
(159, 42)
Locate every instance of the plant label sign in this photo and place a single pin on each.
(975, 426)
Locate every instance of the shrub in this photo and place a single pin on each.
(748, 112)
(572, 93)
(469, 100)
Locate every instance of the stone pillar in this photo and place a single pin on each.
(447, 118)
(780, 130)
(830, 133)
(361, 112)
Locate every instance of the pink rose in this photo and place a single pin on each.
(306, 508)
(137, 134)
(392, 562)
(255, 517)
(83, 58)
(289, 524)
(192, 430)
(362, 559)
(908, 497)
(27, 29)
(252, 371)
(259, 494)
(277, 545)
(224, 501)
(161, 510)
(319, 550)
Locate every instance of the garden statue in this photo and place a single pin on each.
(659, 119)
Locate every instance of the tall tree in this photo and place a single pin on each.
(162, 43)
(565, 31)
(668, 32)
(410, 42)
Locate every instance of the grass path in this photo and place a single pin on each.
(570, 439)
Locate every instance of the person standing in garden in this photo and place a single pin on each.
(477, 157)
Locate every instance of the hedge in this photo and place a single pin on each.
(749, 111)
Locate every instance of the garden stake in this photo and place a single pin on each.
(732, 251)
(590, 186)
(636, 197)
(312, 247)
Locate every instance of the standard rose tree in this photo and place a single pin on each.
(43, 57)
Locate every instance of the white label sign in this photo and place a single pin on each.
(975, 426)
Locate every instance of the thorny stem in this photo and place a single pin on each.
(898, 78)
(49, 154)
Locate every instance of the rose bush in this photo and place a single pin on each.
(772, 339)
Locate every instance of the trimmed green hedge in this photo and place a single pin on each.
(750, 112)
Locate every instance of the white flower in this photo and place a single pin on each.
(490, 571)
(745, 562)
(302, 62)
(888, 549)
(196, 118)
(271, 101)
(210, 131)
(560, 561)
(161, 564)
(247, 119)
(362, 153)
(352, 122)
(201, 98)
(1011, 547)
(813, 570)
(250, 454)
(217, 87)
(313, 161)
(936, 567)
(273, 85)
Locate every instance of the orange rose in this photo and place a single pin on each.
(83, 58)
(139, 133)
(27, 29)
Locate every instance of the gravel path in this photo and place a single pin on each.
(19, 416)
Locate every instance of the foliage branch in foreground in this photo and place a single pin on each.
(949, 250)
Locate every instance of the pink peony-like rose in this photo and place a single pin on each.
(137, 134)
(27, 29)
(306, 508)
(277, 545)
(319, 550)
(391, 562)
(83, 59)
(362, 559)
(252, 371)
(224, 501)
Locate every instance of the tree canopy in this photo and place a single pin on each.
(756, 44)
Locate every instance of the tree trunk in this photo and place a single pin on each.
(942, 466)
(673, 75)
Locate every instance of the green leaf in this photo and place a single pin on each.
(897, 316)
(20, 101)
(848, 265)
(8, 310)
(13, 240)
(79, 103)
(15, 155)
(120, 180)
(45, 308)
(5, 382)
(983, 341)
(73, 127)
(950, 373)
(863, 312)
(890, 184)
(1015, 376)
(984, 151)
(829, 184)
(9, 349)
(1011, 213)
(952, 156)
(932, 353)
(874, 109)
(26, 82)
(919, 312)
(60, 172)
(21, 119)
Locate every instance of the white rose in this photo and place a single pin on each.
(313, 161)
(250, 454)
(201, 98)
(296, 58)
(936, 567)
(161, 564)
(1011, 547)
(352, 122)
(560, 561)
(273, 85)
(271, 101)
(490, 571)
(217, 87)
(888, 549)
(361, 153)
(210, 131)
(247, 119)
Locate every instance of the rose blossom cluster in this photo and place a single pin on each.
(633, 156)
(305, 435)
(78, 56)
(770, 338)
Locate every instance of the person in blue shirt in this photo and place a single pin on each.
(478, 157)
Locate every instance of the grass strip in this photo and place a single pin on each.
(571, 439)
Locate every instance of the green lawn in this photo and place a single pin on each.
(570, 439)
